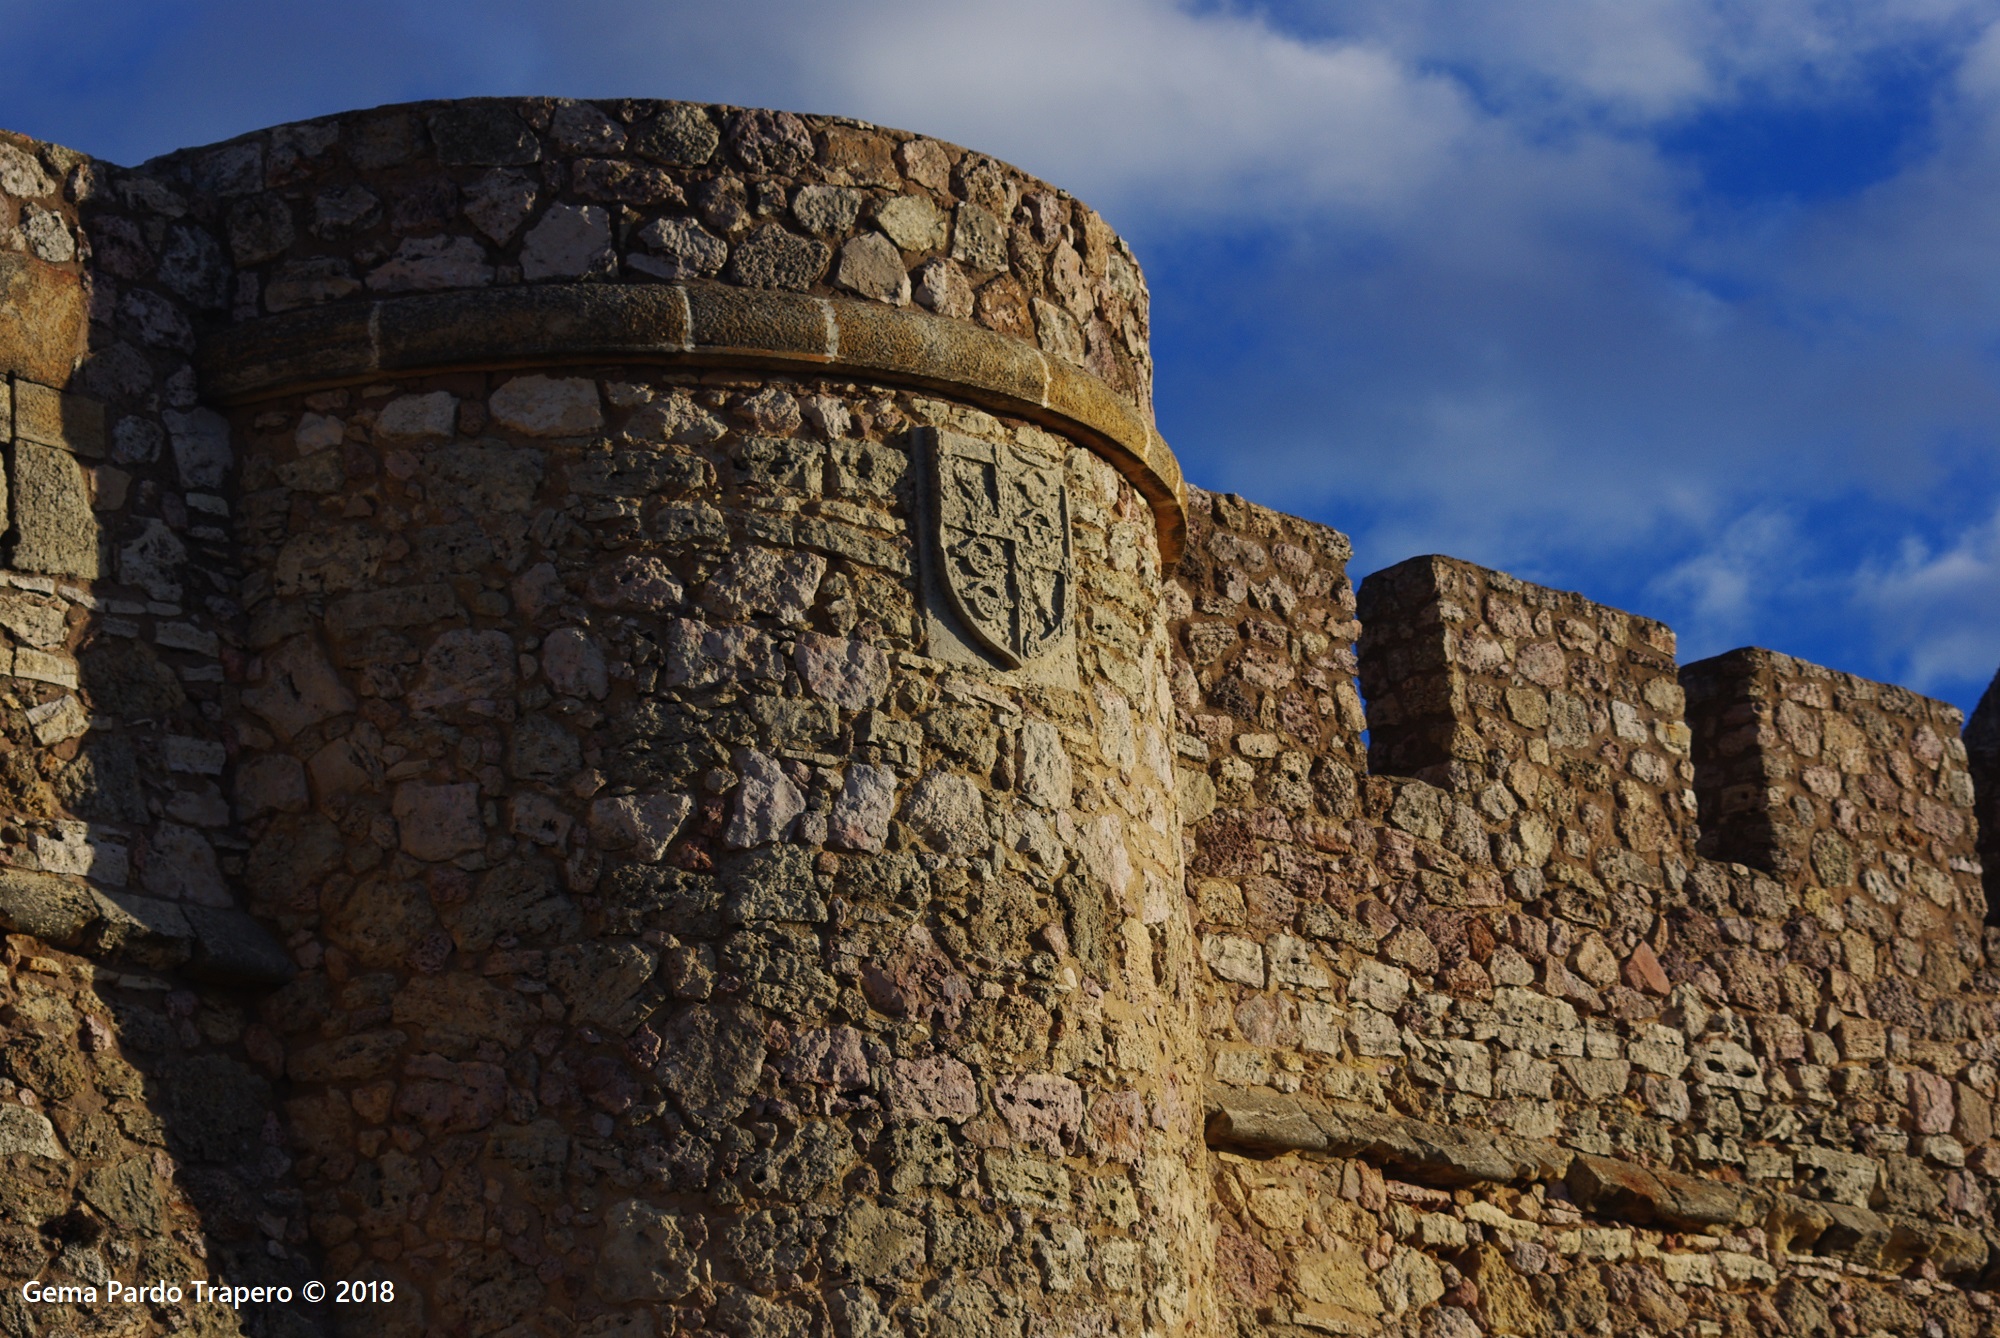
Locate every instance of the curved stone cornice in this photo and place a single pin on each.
(699, 324)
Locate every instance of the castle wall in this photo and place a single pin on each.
(722, 953)
(1497, 1048)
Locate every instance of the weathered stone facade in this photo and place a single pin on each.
(618, 723)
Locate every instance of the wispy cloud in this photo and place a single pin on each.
(1728, 582)
(1930, 602)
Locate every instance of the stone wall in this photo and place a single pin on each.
(716, 946)
(683, 919)
(502, 191)
(141, 1140)
(1510, 1053)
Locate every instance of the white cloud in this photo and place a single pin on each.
(1938, 606)
(1979, 73)
(1719, 593)
(1646, 60)
(1135, 99)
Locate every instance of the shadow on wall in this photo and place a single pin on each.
(1982, 748)
(139, 1090)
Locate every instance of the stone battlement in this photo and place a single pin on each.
(1529, 937)
(616, 717)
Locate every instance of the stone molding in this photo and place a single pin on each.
(1264, 1123)
(702, 324)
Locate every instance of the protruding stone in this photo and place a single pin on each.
(646, 825)
(571, 241)
(25, 1132)
(861, 815)
(764, 580)
(850, 674)
(934, 1088)
(636, 582)
(767, 801)
(948, 813)
(574, 663)
(774, 258)
(415, 419)
(1044, 767)
(678, 248)
(544, 406)
(872, 267)
(464, 666)
(299, 688)
(1642, 971)
(59, 720)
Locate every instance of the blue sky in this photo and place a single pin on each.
(1691, 306)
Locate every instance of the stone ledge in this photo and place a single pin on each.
(216, 944)
(1432, 1154)
(1436, 1154)
(701, 324)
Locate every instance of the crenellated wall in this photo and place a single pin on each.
(1497, 1044)
(615, 717)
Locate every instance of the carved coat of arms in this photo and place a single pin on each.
(1003, 550)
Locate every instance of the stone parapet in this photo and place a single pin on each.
(1516, 988)
(1469, 672)
(500, 191)
(488, 195)
(695, 325)
(1801, 767)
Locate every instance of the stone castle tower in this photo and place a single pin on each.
(618, 723)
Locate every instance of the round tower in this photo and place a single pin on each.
(706, 735)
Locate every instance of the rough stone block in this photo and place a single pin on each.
(439, 821)
(52, 909)
(232, 949)
(872, 267)
(544, 406)
(143, 930)
(43, 319)
(483, 132)
(323, 342)
(54, 527)
(49, 417)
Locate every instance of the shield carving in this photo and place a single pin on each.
(1002, 519)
